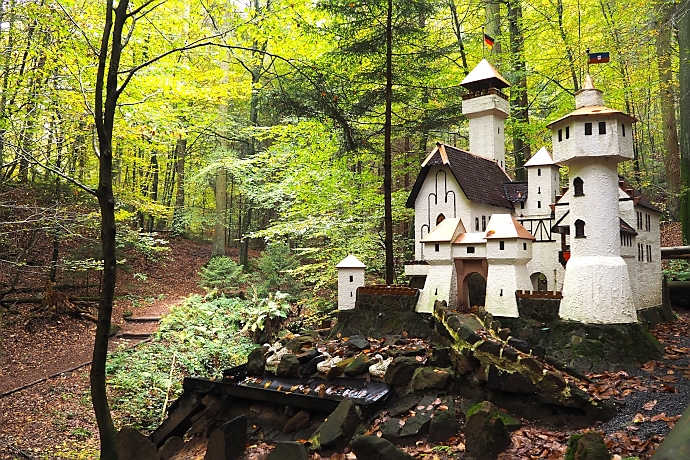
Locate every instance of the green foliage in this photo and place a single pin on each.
(678, 270)
(147, 244)
(222, 273)
(203, 335)
(276, 270)
(264, 310)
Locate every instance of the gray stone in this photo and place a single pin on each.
(440, 357)
(132, 444)
(491, 347)
(375, 448)
(495, 377)
(532, 364)
(430, 377)
(288, 366)
(444, 424)
(228, 441)
(310, 367)
(401, 370)
(519, 344)
(418, 424)
(256, 361)
(170, 447)
(403, 405)
(357, 343)
(298, 422)
(485, 434)
(338, 428)
(390, 429)
(288, 451)
(518, 383)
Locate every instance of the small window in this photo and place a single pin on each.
(440, 219)
(476, 224)
(560, 135)
(649, 253)
(522, 205)
(602, 127)
(539, 204)
(437, 247)
(538, 171)
(567, 132)
(588, 129)
(524, 246)
(501, 245)
(499, 130)
(639, 252)
(579, 228)
(539, 190)
(639, 220)
(623, 128)
(483, 223)
(578, 185)
(647, 222)
(352, 279)
(470, 249)
(351, 294)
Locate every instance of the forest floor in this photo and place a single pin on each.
(52, 416)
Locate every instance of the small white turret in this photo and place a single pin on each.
(542, 184)
(350, 277)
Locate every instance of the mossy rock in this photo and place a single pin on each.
(587, 446)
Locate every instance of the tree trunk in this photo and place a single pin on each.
(492, 9)
(667, 101)
(178, 220)
(387, 151)
(457, 28)
(566, 44)
(154, 186)
(518, 91)
(684, 77)
(219, 233)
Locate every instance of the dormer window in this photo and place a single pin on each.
(578, 185)
(588, 129)
(602, 127)
(579, 228)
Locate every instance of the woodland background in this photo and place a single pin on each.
(293, 125)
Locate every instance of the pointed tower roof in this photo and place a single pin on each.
(350, 262)
(504, 226)
(483, 77)
(541, 158)
(445, 232)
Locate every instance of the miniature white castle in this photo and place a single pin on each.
(470, 217)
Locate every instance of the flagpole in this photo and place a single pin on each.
(483, 44)
(587, 53)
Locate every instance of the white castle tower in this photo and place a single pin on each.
(508, 249)
(591, 141)
(486, 107)
(350, 277)
(542, 184)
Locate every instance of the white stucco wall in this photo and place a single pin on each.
(540, 188)
(349, 279)
(507, 273)
(479, 210)
(581, 145)
(439, 194)
(545, 260)
(487, 132)
(440, 284)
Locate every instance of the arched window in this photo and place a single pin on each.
(579, 228)
(440, 219)
(577, 183)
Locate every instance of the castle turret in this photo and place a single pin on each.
(591, 141)
(486, 107)
(350, 277)
(542, 184)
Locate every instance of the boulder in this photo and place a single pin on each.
(401, 370)
(357, 343)
(288, 366)
(444, 424)
(338, 428)
(375, 448)
(587, 446)
(360, 364)
(418, 423)
(170, 447)
(485, 434)
(132, 444)
(430, 377)
(297, 422)
(288, 451)
(256, 361)
(228, 441)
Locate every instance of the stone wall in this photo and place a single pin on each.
(539, 305)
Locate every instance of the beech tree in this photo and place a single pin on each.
(684, 76)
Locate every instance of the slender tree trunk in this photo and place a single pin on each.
(666, 10)
(684, 77)
(518, 91)
(219, 232)
(492, 9)
(458, 35)
(387, 151)
(566, 44)
(178, 220)
(154, 186)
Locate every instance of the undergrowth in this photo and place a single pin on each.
(202, 335)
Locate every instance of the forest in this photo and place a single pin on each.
(289, 128)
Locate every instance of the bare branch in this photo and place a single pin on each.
(146, 98)
(145, 5)
(94, 50)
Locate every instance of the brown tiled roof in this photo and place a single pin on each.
(516, 192)
(480, 179)
(626, 228)
(636, 195)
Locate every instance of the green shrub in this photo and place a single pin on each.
(678, 270)
(222, 273)
(146, 244)
(275, 270)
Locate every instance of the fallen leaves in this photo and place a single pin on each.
(649, 405)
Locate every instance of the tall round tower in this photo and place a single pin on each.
(486, 107)
(591, 141)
